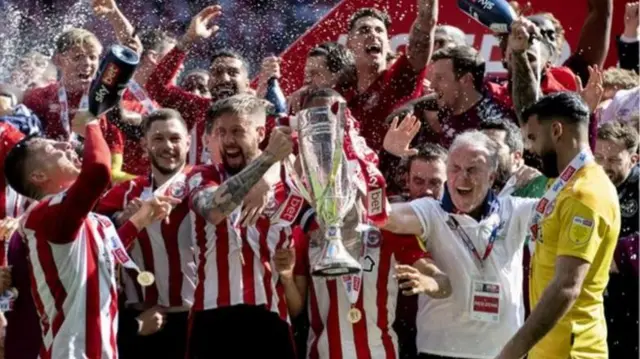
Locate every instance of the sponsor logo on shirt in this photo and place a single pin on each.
(542, 204)
(375, 201)
(291, 209)
(568, 173)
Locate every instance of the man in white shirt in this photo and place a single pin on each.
(477, 238)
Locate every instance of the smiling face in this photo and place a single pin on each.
(167, 143)
(228, 77)
(469, 176)
(369, 42)
(615, 159)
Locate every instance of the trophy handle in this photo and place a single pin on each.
(294, 181)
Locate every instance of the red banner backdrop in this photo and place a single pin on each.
(333, 27)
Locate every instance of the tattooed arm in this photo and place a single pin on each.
(524, 91)
(524, 84)
(421, 37)
(216, 202)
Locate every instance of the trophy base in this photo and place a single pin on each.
(335, 261)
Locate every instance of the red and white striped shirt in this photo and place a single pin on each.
(224, 279)
(71, 262)
(165, 249)
(331, 335)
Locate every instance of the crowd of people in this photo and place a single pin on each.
(491, 220)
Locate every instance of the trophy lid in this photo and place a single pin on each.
(125, 54)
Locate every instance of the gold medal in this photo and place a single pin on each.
(354, 315)
(145, 278)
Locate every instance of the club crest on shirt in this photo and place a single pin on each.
(629, 208)
(580, 230)
(374, 238)
(178, 190)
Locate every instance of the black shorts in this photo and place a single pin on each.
(170, 342)
(239, 332)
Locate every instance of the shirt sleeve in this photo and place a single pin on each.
(115, 199)
(581, 230)
(424, 209)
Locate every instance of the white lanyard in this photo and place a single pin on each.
(117, 248)
(142, 96)
(579, 161)
(64, 108)
(509, 187)
(353, 285)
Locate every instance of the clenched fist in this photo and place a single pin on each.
(522, 31)
(280, 143)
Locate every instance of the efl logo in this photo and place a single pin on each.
(374, 199)
(120, 255)
(568, 173)
(110, 74)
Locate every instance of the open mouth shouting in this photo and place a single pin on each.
(373, 49)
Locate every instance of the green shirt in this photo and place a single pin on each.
(535, 188)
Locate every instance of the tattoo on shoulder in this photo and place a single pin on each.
(224, 199)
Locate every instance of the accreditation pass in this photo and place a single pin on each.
(485, 301)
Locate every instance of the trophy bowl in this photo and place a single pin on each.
(324, 181)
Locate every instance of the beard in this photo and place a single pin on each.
(162, 169)
(616, 177)
(224, 90)
(550, 164)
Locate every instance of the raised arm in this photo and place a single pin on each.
(525, 85)
(593, 44)
(121, 25)
(214, 203)
(93, 180)
(420, 45)
(160, 85)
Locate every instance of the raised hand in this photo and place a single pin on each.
(592, 94)
(104, 7)
(522, 30)
(399, 137)
(201, 26)
(631, 22)
(280, 143)
(270, 69)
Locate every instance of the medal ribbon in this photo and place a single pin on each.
(141, 95)
(365, 163)
(118, 250)
(579, 161)
(64, 109)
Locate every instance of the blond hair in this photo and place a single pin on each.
(620, 79)
(76, 37)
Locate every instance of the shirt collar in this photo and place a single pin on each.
(487, 204)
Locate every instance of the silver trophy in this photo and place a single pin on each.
(325, 183)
